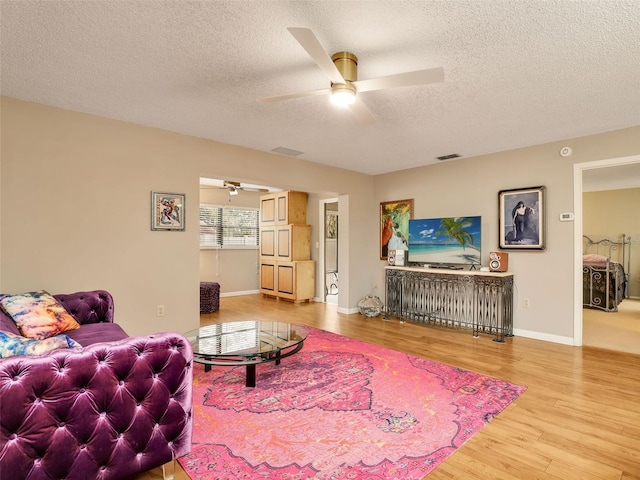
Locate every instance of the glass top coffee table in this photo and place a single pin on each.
(247, 342)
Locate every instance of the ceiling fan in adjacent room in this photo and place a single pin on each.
(342, 71)
(235, 187)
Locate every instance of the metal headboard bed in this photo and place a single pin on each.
(605, 272)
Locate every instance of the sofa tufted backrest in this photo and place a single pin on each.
(106, 411)
(88, 307)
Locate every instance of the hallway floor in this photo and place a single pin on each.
(618, 331)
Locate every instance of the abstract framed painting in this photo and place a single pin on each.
(522, 218)
(167, 211)
(394, 226)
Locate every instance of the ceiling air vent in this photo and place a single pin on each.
(287, 151)
(448, 157)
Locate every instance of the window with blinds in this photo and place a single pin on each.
(228, 227)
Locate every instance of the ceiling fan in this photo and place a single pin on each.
(342, 71)
(235, 187)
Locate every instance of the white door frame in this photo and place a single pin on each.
(578, 168)
(322, 277)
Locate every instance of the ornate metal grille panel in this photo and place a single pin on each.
(481, 302)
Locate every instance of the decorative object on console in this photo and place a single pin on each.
(395, 257)
(167, 211)
(391, 257)
(394, 226)
(498, 261)
(370, 306)
(522, 218)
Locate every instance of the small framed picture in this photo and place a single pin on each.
(522, 218)
(167, 211)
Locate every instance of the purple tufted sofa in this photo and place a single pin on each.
(117, 406)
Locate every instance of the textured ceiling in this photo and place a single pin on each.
(517, 73)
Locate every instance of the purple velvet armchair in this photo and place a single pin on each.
(117, 406)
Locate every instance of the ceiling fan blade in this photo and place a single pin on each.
(419, 77)
(289, 96)
(362, 113)
(259, 190)
(307, 39)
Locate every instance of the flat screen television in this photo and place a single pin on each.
(445, 241)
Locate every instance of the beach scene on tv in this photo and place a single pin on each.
(450, 240)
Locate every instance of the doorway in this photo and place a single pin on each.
(329, 277)
(582, 171)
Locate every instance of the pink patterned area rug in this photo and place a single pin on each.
(338, 409)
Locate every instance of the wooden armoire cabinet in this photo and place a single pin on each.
(286, 268)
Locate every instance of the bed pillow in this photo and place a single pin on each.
(38, 314)
(594, 258)
(11, 344)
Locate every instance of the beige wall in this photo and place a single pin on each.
(470, 187)
(75, 201)
(609, 214)
(75, 212)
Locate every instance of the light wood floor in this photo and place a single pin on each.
(579, 418)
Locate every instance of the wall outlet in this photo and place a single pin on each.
(525, 303)
(160, 311)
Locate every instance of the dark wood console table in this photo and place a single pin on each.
(481, 301)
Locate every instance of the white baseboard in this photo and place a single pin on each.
(348, 311)
(237, 294)
(543, 336)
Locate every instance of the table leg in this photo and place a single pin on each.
(207, 367)
(251, 375)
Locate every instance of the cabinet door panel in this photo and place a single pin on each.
(283, 210)
(284, 242)
(285, 279)
(267, 277)
(268, 209)
(267, 242)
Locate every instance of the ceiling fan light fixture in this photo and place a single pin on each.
(342, 94)
(233, 191)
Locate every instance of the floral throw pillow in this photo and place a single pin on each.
(11, 344)
(38, 314)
